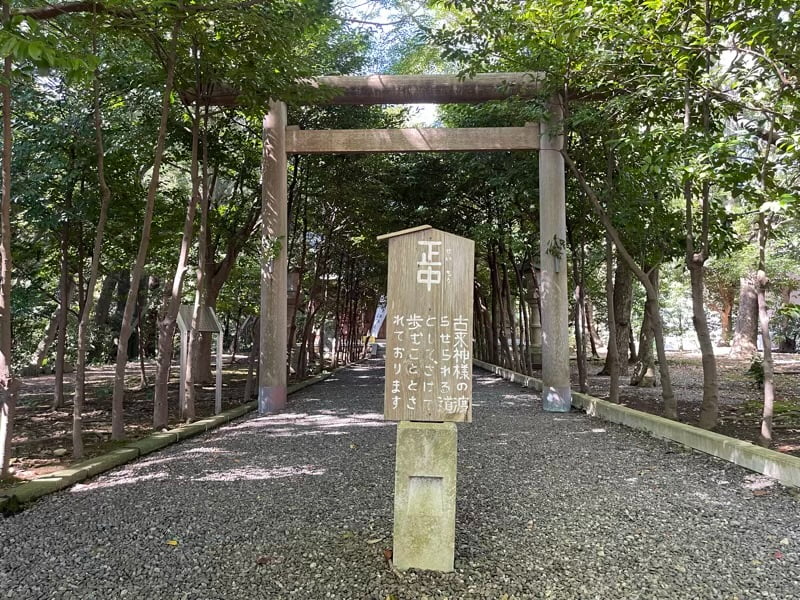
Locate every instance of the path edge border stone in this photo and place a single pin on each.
(14, 498)
(782, 467)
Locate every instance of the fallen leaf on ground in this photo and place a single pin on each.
(374, 541)
(387, 554)
(172, 542)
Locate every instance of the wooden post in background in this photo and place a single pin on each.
(218, 392)
(556, 393)
(274, 263)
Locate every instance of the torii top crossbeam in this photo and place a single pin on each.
(430, 89)
(405, 89)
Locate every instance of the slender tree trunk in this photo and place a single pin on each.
(745, 336)
(613, 363)
(580, 345)
(594, 337)
(8, 383)
(193, 372)
(495, 316)
(94, 269)
(696, 255)
(141, 325)
(726, 326)
(508, 302)
(498, 316)
(709, 409)
(725, 316)
(167, 324)
(525, 339)
(535, 302)
(234, 347)
(337, 327)
(63, 312)
(623, 301)
(103, 307)
(632, 354)
(667, 394)
(644, 373)
(117, 417)
(43, 347)
(321, 347)
(580, 317)
(762, 281)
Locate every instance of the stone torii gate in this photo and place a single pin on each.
(281, 139)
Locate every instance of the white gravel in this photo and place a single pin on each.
(299, 505)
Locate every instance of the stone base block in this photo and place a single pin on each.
(555, 399)
(425, 496)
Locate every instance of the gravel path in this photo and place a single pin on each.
(299, 505)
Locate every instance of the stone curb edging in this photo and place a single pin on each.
(12, 499)
(783, 467)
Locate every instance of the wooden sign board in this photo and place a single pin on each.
(429, 326)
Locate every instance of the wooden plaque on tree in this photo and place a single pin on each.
(429, 326)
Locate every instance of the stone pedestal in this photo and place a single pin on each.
(425, 496)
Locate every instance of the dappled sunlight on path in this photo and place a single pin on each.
(299, 504)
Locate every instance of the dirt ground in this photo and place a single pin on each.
(741, 397)
(41, 433)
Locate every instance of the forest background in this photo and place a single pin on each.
(126, 193)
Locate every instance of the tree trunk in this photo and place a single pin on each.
(8, 383)
(632, 354)
(709, 409)
(535, 302)
(94, 268)
(525, 338)
(63, 311)
(252, 362)
(193, 377)
(508, 302)
(103, 308)
(745, 336)
(498, 314)
(591, 329)
(234, 347)
(580, 337)
(623, 301)
(167, 324)
(44, 345)
(495, 313)
(117, 417)
(321, 348)
(726, 316)
(765, 436)
(667, 394)
(612, 359)
(644, 372)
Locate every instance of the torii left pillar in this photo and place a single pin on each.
(274, 263)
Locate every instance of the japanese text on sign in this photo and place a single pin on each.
(432, 363)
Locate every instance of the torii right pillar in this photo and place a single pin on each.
(556, 394)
